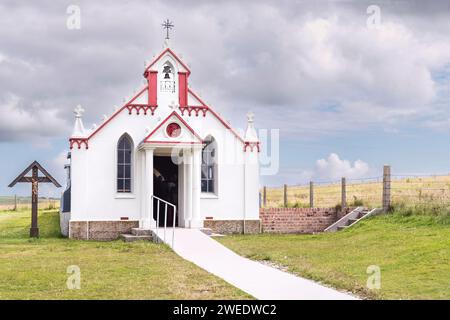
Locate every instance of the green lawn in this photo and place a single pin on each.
(413, 254)
(37, 268)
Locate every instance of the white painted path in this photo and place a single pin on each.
(260, 281)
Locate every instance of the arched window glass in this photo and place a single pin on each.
(209, 173)
(124, 153)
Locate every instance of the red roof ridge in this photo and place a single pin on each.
(173, 54)
(117, 112)
(226, 124)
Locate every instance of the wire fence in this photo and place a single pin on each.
(19, 203)
(402, 189)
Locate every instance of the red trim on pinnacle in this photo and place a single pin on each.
(79, 142)
(251, 145)
(174, 55)
(174, 113)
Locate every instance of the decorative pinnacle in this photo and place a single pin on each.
(250, 116)
(78, 111)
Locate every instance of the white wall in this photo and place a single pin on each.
(94, 194)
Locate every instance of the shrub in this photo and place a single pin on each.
(357, 202)
(439, 211)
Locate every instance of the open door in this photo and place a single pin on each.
(165, 186)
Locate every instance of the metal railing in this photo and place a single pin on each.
(159, 200)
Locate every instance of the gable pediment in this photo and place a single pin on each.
(168, 55)
(173, 130)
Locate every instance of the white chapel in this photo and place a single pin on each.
(164, 158)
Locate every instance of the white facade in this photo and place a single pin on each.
(231, 194)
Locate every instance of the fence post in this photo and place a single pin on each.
(259, 199)
(343, 193)
(285, 196)
(386, 188)
(311, 194)
(264, 196)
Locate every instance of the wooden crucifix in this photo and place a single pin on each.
(35, 179)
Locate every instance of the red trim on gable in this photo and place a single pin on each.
(152, 79)
(196, 97)
(162, 54)
(196, 109)
(175, 142)
(141, 107)
(217, 116)
(116, 113)
(174, 113)
(182, 89)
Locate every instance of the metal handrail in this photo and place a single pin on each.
(165, 217)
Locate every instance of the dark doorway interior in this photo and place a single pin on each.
(165, 186)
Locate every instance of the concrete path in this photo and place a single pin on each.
(258, 280)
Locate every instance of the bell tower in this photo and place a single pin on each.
(167, 77)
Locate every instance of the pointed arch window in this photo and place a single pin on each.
(124, 164)
(209, 166)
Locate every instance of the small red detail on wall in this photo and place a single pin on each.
(79, 142)
(182, 88)
(196, 109)
(209, 218)
(173, 130)
(141, 107)
(152, 78)
(251, 146)
(124, 218)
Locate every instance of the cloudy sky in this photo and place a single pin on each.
(349, 90)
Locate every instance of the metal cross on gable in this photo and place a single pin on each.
(167, 25)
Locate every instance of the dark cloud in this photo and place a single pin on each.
(309, 60)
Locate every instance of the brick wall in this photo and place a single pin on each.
(100, 230)
(297, 220)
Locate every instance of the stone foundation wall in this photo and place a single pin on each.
(100, 230)
(233, 226)
(297, 220)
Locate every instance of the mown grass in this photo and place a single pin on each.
(37, 268)
(412, 251)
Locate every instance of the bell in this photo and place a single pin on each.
(166, 76)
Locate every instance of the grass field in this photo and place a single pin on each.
(8, 203)
(413, 253)
(37, 268)
(366, 192)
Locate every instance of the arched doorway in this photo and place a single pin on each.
(165, 186)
